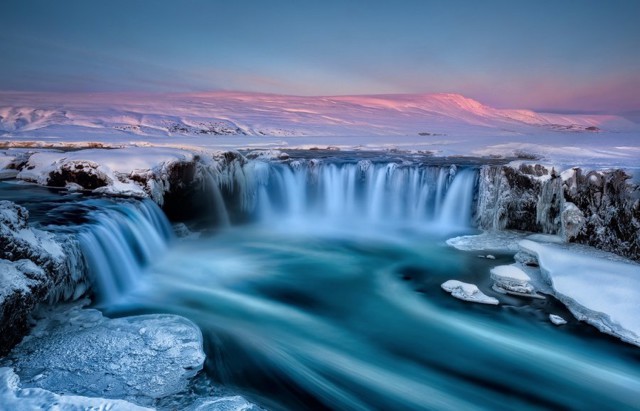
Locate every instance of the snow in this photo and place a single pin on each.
(12, 397)
(497, 241)
(511, 279)
(136, 358)
(445, 124)
(557, 320)
(118, 171)
(510, 272)
(18, 276)
(467, 292)
(598, 288)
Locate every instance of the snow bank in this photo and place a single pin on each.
(73, 350)
(467, 292)
(596, 287)
(133, 171)
(12, 397)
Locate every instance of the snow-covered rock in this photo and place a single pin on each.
(35, 266)
(467, 292)
(133, 171)
(267, 155)
(557, 320)
(598, 208)
(599, 288)
(72, 350)
(12, 397)
(512, 279)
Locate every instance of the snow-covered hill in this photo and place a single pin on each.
(229, 113)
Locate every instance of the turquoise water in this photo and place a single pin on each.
(326, 294)
(355, 319)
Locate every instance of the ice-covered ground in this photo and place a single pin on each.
(73, 350)
(600, 288)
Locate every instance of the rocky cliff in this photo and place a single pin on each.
(598, 208)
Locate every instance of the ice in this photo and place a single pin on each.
(233, 403)
(18, 276)
(73, 350)
(512, 279)
(14, 398)
(557, 320)
(497, 241)
(467, 292)
(134, 171)
(598, 288)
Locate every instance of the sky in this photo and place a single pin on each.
(560, 55)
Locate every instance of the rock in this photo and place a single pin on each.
(512, 279)
(557, 320)
(12, 397)
(467, 292)
(36, 266)
(72, 350)
(598, 208)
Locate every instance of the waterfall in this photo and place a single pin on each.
(122, 239)
(356, 192)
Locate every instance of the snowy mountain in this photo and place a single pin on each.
(233, 113)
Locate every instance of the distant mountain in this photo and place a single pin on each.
(234, 113)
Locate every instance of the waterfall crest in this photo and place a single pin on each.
(348, 192)
(121, 240)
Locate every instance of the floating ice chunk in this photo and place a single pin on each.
(596, 287)
(75, 350)
(12, 397)
(467, 292)
(512, 279)
(557, 320)
(490, 257)
(498, 241)
(234, 403)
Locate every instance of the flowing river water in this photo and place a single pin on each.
(327, 295)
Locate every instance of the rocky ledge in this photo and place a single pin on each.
(35, 266)
(599, 208)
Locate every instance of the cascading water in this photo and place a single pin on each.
(122, 239)
(296, 320)
(357, 192)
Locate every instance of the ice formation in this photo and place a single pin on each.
(133, 358)
(598, 289)
(467, 292)
(13, 398)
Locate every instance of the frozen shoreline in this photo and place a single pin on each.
(599, 288)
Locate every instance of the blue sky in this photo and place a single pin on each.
(566, 54)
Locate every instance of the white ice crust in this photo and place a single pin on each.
(467, 292)
(78, 351)
(598, 288)
(12, 397)
(557, 320)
